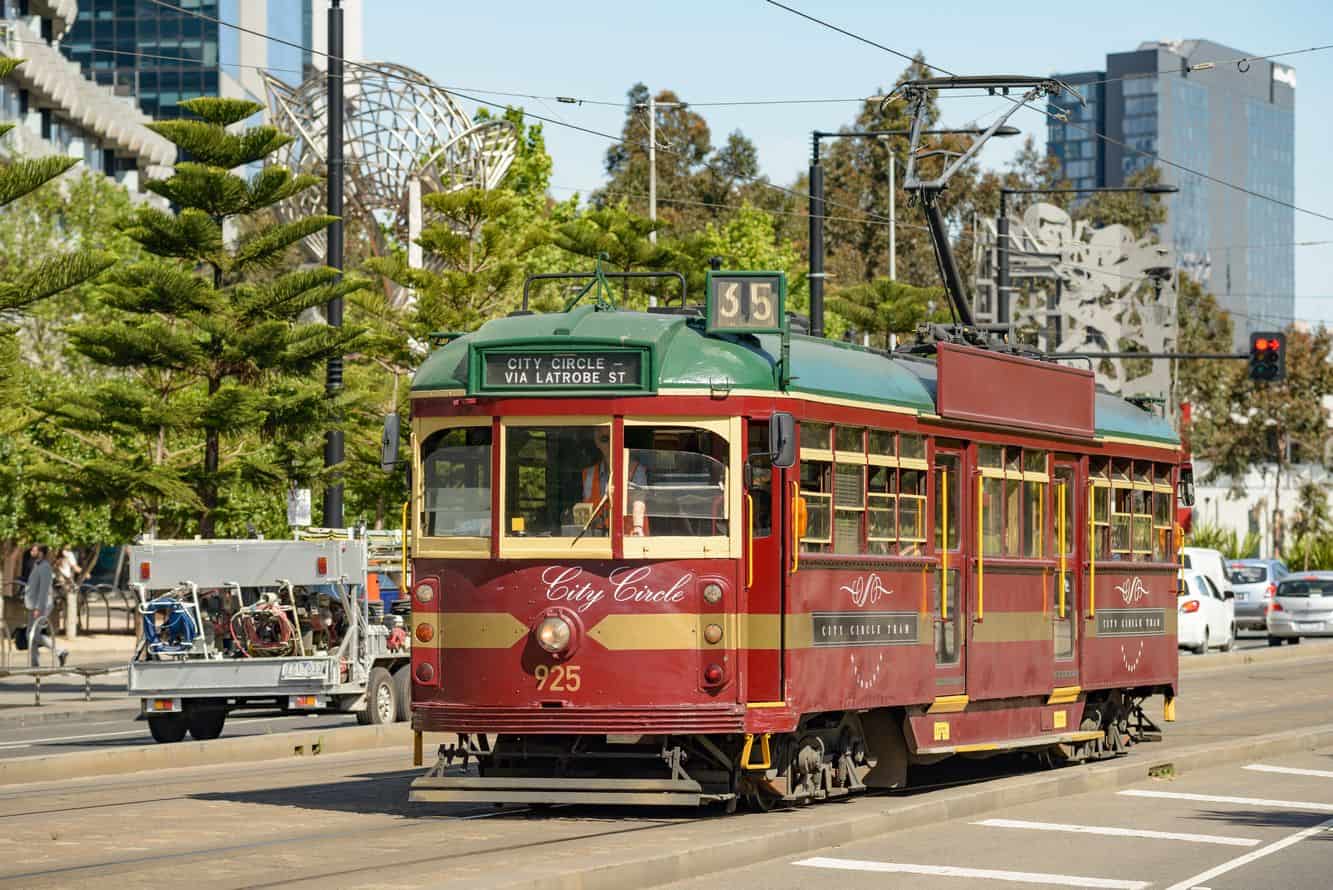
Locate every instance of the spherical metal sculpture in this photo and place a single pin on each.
(398, 126)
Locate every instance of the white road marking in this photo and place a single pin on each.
(1193, 883)
(1122, 832)
(953, 871)
(73, 738)
(1291, 770)
(1246, 801)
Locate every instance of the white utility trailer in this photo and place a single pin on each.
(292, 626)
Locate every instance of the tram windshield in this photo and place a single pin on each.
(557, 481)
(456, 465)
(677, 482)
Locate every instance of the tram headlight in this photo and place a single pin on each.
(712, 593)
(554, 634)
(425, 593)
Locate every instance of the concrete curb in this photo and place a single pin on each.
(31, 716)
(1222, 660)
(270, 747)
(726, 844)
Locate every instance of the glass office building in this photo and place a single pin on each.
(163, 56)
(1234, 125)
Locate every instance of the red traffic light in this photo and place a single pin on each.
(1261, 344)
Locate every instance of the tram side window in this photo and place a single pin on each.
(896, 494)
(1013, 498)
(1163, 524)
(677, 482)
(849, 489)
(1099, 483)
(557, 481)
(456, 477)
(760, 483)
(817, 486)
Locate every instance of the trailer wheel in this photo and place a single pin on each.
(402, 690)
(205, 723)
(167, 728)
(381, 704)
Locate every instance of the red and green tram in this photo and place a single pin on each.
(681, 557)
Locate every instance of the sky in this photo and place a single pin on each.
(749, 49)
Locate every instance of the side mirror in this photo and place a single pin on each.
(389, 443)
(1229, 594)
(1185, 487)
(782, 439)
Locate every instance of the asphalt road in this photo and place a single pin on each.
(1263, 824)
(344, 820)
(101, 730)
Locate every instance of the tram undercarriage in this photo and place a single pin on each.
(829, 756)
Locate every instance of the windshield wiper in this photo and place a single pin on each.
(591, 519)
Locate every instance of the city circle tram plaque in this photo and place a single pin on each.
(1131, 622)
(865, 628)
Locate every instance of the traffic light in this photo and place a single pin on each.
(1268, 356)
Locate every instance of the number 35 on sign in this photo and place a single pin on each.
(746, 302)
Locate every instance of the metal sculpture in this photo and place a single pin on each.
(399, 128)
(1094, 290)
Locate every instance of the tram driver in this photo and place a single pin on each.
(596, 482)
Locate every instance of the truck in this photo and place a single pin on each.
(301, 626)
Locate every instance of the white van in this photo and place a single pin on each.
(1210, 563)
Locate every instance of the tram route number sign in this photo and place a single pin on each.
(1131, 622)
(580, 369)
(865, 628)
(746, 302)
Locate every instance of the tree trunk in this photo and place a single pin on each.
(1277, 494)
(209, 490)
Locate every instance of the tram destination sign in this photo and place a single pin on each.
(746, 302)
(865, 628)
(542, 370)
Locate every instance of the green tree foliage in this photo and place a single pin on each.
(884, 307)
(44, 273)
(208, 340)
(1224, 541)
(1256, 424)
(1310, 525)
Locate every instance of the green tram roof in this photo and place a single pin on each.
(684, 357)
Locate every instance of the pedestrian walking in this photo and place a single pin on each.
(39, 600)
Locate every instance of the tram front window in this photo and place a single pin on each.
(557, 481)
(456, 469)
(677, 481)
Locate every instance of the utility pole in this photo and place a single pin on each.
(816, 241)
(333, 384)
(652, 164)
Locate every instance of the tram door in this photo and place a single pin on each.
(765, 569)
(1067, 508)
(951, 532)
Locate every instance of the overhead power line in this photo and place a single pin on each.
(1058, 117)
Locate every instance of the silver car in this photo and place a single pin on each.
(1302, 607)
(1254, 582)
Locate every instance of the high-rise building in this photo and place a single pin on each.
(1234, 123)
(58, 111)
(165, 52)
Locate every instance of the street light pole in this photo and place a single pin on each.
(652, 165)
(333, 382)
(817, 209)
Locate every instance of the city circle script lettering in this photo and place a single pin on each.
(547, 371)
(627, 584)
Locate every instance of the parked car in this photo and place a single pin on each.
(1254, 581)
(1206, 614)
(1302, 607)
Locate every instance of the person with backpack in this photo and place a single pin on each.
(39, 600)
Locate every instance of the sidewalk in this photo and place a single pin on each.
(62, 695)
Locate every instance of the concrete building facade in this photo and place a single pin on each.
(1190, 102)
(162, 56)
(59, 111)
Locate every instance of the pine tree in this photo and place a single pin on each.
(210, 337)
(45, 276)
(883, 307)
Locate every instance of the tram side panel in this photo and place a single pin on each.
(1129, 629)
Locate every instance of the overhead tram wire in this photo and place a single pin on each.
(528, 114)
(1054, 116)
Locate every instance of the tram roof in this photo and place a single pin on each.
(684, 357)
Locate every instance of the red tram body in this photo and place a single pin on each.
(970, 551)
